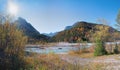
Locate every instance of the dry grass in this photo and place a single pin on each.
(49, 62)
(53, 62)
(96, 66)
(87, 55)
(82, 55)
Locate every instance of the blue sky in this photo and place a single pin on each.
(53, 15)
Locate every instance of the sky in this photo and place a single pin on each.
(54, 15)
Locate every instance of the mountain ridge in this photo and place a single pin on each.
(79, 31)
(28, 30)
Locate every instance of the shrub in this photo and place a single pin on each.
(12, 43)
(99, 49)
(116, 51)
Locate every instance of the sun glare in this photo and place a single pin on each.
(12, 9)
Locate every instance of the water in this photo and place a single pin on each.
(61, 48)
(56, 50)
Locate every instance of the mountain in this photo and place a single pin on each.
(29, 30)
(50, 34)
(80, 31)
(21, 24)
(26, 27)
(68, 27)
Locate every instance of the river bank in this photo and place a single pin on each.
(108, 62)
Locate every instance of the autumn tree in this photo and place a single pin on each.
(100, 37)
(12, 45)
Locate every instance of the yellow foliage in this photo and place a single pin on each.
(102, 33)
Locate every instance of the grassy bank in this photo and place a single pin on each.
(54, 62)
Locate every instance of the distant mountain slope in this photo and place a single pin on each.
(79, 31)
(68, 27)
(29, 30)
(50, 34)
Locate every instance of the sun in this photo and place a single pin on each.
(12, 8)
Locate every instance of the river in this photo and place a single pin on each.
(60, 48)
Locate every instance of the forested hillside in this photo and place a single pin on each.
(82, 31)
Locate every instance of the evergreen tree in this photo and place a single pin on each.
(100, 48)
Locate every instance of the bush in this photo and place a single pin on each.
(116, 51)
(12, 44)
(99, 49)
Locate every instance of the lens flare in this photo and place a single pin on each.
(12, 8)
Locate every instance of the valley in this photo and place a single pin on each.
(59, 35)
